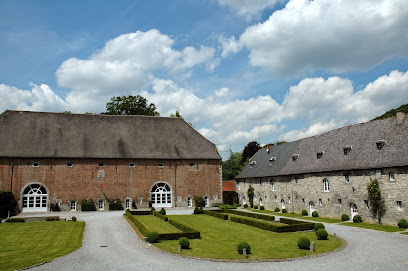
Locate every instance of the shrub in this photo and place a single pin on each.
(277, 209)
(319, 226)
(357, 219)
(163, 211)
(243, 245)
(315, 214)
(115, 204)
(198, 211)
(87, 205)
(216, 214)
(199, 202)
(153, 237)
(303, 243)
(261, 208)
(253, 215)
(153, 210)
(345, 217)
(184, 243)
(321, 234)
(284, 211)
(403, 224)
(304, 213)
(255, 206)
(245, 205)
(162, 217)
(12, 220)
(74, 218)
(53, 218)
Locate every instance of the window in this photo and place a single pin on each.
(320, 202)
(266, 198)
(391, 176)
(207, 201)
(367, 204)
(380, 144)
(339, 200)
(238, 186)
(128, 203)
(132, 164)
(69, 164)
(215, 197)
(276, 198)
(296, 180)
(272, 185)
(347, 149)
(272, 159)
(36, 164)
(161, 165)
(100, 164)
(326, 187)
(260, 182)
(192, 164)
(295, 157)
(244, 183)
(72, 205)
(399, 205)
(319, 154)
(252, 164)
(101, 204)
(347, 178)
(189, 202)
(289, 200)
(303, 201)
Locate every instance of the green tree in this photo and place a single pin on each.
(377, 205)
(130, 105)
(250, 149)
(177, 115)
(251, 195)
(232, 166)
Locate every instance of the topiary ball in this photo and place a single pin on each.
(284, 211)
(74, 218)
(163, 211)
(319, 226)
(245, 205)
(357, 219)
(243, 245)
(303, 243)
(322, 234)
(304, 213)
(345, 217)
(153, 237)
(403, 224)
(277, 209)
(261, 208)
(255, 206)
(152, 210)
(184, 242)
(315, 214)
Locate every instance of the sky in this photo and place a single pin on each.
(238, 70)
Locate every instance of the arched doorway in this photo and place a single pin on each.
(161, 195)
(311, 207)
(35, 198)
(260, 202)
(283, 204)
(353, 210)
(243, 200)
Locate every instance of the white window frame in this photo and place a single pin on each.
(101, 205)
(189, 202)
(399, 205)
(391, 176)
(128, 200)
(347, 178)
(72, 205)
(238, 186)
(367, 204)
(339, 201)
(36, 164)
(320, 202)
(132, 165)
(273, 185)
(161, 165)
(69, 164)
(326, 185)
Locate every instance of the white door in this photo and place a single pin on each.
(243, 201)
(353, 210)
(311, 207)
(161, 195)
(207, 201)
(189, 202)
(35, 198)
(283, 204)
(260, 202)
(127, 204)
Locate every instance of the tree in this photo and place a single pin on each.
(251, 195)
(232, 166)
(377, 205)
(250, 149)
(130, 105)
(177, 115)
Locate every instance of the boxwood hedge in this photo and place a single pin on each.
(253, 215)
(216, 214)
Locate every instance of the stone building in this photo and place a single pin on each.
(329, 173)
(60, 158)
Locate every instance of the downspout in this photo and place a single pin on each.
(175, 184)
(11, 175)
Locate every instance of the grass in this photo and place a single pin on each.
(322, 219)
(373, 226)
(220, 240)
(406, 233)
(293, 215)
(27, 244)
(155, 224)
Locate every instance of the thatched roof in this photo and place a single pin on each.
(360, 141)
(41, 134)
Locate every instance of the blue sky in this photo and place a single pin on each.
(242, 70)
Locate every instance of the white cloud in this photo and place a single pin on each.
(248, 8)
(314, 129)
(39, 98)
(229, 46)
(325, 34)
(222, 92)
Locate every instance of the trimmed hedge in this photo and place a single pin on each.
(315, 214)
(215, 214)
(137, 223)
(277, 210)
(53, 218)
(253, 215)
(295, 226)
(87, 205)
(345, 217)
(7, 203)
(319, 226)
(304, 213)
(322, 234)
(153, 237)
(241, 246)
(12, 220)
(188, 232)
(403, 224)
(139, 212)
(357, 219)
(198, 211)
(284, 211)
(162, 217)
(115, 204)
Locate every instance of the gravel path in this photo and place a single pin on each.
(111, 244)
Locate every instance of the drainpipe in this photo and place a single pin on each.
(175, 184)
(11, 175)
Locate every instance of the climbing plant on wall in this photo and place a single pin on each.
(377, 205)
(251, 194)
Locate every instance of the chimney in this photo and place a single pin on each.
(268, 148)
(400, 117)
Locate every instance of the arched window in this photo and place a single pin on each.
(35, 198)
(161, 195)
(283, 204)
(326, 186)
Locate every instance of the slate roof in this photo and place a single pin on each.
(48, 135)
(363, 153)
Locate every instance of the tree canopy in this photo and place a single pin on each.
(130, 105)
(232, 166)
(393, 112)
(178, 115)
(250, 149)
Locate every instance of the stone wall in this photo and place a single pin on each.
(86, 179)
(345, 188)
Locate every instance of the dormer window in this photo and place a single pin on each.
(380, 144)
(132, 164)
(252, 163)
(320, 154)
(347, 149)
(161, 165)
(36, 164)
(69, 164)
(272, 159)
(294, 157)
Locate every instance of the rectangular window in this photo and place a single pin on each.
(347, 178)
(272, 185)
(238, 186)
(73, 205)
(296, 181)
(100, 164)
(320, 202)
(161, 165)
(303, 201)
(391, 176)
(276, 198)
(399, 205)
(100, 204)
(339, 200)
(260, 182)
(289, 200)
(127, 203)
(367, 204)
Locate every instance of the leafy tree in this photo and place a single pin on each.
(232, 166)
(250, 149)
(251, 195)
(393, 112)
(377, 205)
(177, 115)
(130, 105)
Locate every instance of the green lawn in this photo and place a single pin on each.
(372, 226)
(155, 224)
(293, 215)
(406, 233)
(221, 237)
(26, 244)
(322, 219)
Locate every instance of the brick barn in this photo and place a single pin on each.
(61, 159)
(329, 173)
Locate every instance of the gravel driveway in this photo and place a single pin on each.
(111, 244)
